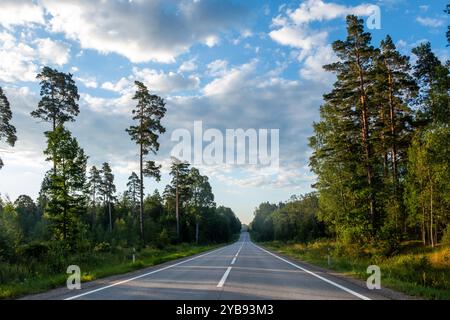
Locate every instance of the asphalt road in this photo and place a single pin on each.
(238, 271)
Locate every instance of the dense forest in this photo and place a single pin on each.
(79, 211)
(381, 151)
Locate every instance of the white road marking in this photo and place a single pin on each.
(224, 278)
(144, 275)
(227, 272)
(356, 294)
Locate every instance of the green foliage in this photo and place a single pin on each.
(418, 273)
(7, 130)
(427, 195)
(163, 239)
(149, 111)
(102, 247)
(380, 148)
(296, 220)
(59, 97)
(64, 185)
(34, 250)
(446, 236)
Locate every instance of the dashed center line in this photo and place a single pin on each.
(224, 278)
(227, 272)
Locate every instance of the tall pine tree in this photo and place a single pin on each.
(149, 111)
(65, 184)
(107, 190)
(94, 185)
(134, 191)
(59, 98)
(343, 146)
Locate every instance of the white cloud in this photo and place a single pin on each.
(313, 66)
(217, 67)
(211, 41)
(119, 86)
(245, 34)
(292, 28)
(53, 52)
(20, 12)
(430, 22)
(16, 60)
(121, 105)
(157, 81)
(301, 38)
(89, 82)
(166, 82)
(143, 31)
(188, 65)
(20, 58)
(229, 80)
(318, 10)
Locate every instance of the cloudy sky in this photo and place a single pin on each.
(231, 64)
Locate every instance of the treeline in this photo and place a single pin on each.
(78, 208)
(294, 220)
(381, 150)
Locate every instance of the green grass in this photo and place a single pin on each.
(416, 270)
(38, 276)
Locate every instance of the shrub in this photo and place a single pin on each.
(446, 237)
(163, 239)
(102, 247)
(35, 250)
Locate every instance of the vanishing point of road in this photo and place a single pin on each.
(239, 271)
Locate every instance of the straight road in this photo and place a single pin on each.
(239, 271)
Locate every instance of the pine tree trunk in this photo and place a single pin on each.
(54, 151)
(393, 134)
(93, 209)
(431, 216)
(177, 208)
(110, 217)
(141, 209)
(364, 117)
(196, 231)
(424, 232)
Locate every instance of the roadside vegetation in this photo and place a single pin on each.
(416, 270)
(381, 153)
(43, 272)
(79, 217)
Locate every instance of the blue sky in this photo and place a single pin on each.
(231, 64)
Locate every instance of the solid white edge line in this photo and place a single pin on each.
(224, 278)
(233, 261)
(316, 275)
(144, 275)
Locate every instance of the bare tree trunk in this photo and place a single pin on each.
(364, 117)
(196, 231)
(93, 208)
(110, 217)
(424, 233)
(177, 208)
(141, 209)
(431, 216)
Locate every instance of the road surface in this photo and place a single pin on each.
(239, 271)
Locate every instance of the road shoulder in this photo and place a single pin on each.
(383, 293)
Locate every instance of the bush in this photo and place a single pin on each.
(446, 237)
(35, 250)
(163, 239)
(102, 247)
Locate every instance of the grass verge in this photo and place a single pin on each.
(415, 270)
(38, 277)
